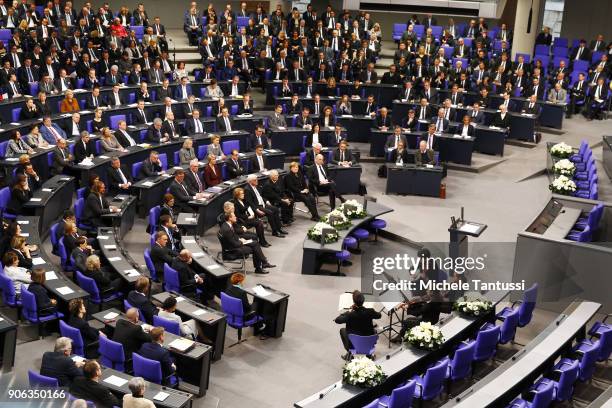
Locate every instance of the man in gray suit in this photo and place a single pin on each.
(557, 95)
(277, 120)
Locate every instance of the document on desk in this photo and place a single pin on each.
(116, 381)
(131, 273)
(65, 290)
(111, 246)
(102, 236)
(189, 241)
(198, 254)
(77, 359)
(36, 199)
(47, 190)
(181, 344)
(38, 261)
(199, 312)
(345, 302)
(179, 299)
(261, 291)
(212, 267)
(50, 275)
(114, 259)
(469, 228)
(111, 316)
(161, 396)
(190, 219)
(148, 183)
(23, 222)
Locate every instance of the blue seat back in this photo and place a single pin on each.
(3, 146)
(508, 327)
(127, 305)
(461, 364)
(363, 344)
(588, 360)
(73, 334)
(37, 380)
(81, 192)
(229, 145)
(89, 285)
(168, 325)
(232, 307)
(543, 396)
(433, 382)
(9, 297)
(154, 217)
(565, 387)
(136, 169)
(111, 354)
(486, 343)
(150, 264)
(402, 396)
(146, 368)
(527, 306)
(171, 279)
(163, 159)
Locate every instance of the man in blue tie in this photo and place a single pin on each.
(174, 235)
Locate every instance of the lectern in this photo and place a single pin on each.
(459, 231)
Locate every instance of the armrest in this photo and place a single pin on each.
(382, 404)
(606, 318)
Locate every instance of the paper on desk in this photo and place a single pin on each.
(161, 396)
(345, 301)
(181, 344)
(148, 183)
(116, 381)
(471, 228)
(111, 315)
(179, 299)
(102, 237)
(213, 267)
(1, 319)
(112, 246)
(77, 359)
(131, 272)
(12, 159)
(261, 291)
(47, 190)
(38, 261)
(25, 234)
(189, 241)
(198, 254)
(114, 259)
(23, 222)
(190, 219)
(199, 312)
(65, 290)
(50, 275)
(103, 157)
(35, 199)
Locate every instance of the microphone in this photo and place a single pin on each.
(323, 394)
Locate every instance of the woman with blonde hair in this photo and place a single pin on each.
(187, 152)
(69, 104)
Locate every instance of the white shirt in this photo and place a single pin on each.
(260, 200)
(322, 178)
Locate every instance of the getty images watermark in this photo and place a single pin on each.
(399, 272)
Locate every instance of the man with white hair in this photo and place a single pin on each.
(113, 77)
(58, 364)
(154, 134)
(254, 198)
(502, 118)
(136, 399)
(318, 176)
(274, 192)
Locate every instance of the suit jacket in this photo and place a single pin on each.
(94, 209)
(56, 365)
(359, 321)
(80, 151)
(479, 118)
(59, 160)
(48, 136)
(255, 164)
(139, 119)
(277, 121)
(154, 135)
(231, 240)
(191, 182)
(235, 169)
(561, 97)
(130, 335)
(470, 132)
(390, 143)
(265, 142)
(221, 124)
(88, 333)
(273, 192)
(93, 391)
(212, 178)
(91, 104)
(404, 156)
(384, 121)
(499, 122)
(167, 129)
(113, 179)
(428, 112)
(110, 100)
(143, 304)
(190, 126)
(313, 174)
(181, 197)
(239, 293)
(348, 156)
(534, 111)
(122, 139)
(155, 351)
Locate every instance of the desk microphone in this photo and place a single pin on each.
(517, 354)
(394, 352)
(323, 394)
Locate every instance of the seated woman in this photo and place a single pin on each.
(110, 143)
(44, 304)
(20, 194)
(97, 205)
(212, 172)
(295, 184)
(330, 89)
(137, 399)
(247, 217)
(314, 137)
(35, 138)
(90, 336)
(187, 152)
(97, 123)
(15, 272)
(11, 231)
(104, 280)
(69, 104)
(188, 328)
(327, 119)
(214, 91)
(71, 234)
(22, 251)
(17, 146)
(30, 111)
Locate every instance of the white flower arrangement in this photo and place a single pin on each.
(337, 219)
(563, 185)
(352, 209)
(425, 336)
(363, 372)
(315, 233)
(562, 150)
(564, 167)
(474, 307)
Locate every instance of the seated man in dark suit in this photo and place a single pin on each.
(501, 119)
(259, 162)
(318, 177)
(234, 166)
(155, 133)
(118, 177)
(193, 179)
(155, 350)
(151, 167)
(274, 192)
(466, 128)
(237, 245)
(89, 388)
(423, 155)
(259, 138)
(61, 157)
(182, 192)
(188, 279)
(83, 148)
(476, 114)
(235, 290)
(224, 122)
(383, 122)
(129, 333)
(138, 298)
(531, 106)
(58, 364)
(394, 140)
(358, 320)
(161, 251)
(194, 125)
(343, 156)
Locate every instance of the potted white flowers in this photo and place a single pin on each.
(563, 185)
(315, 233)
(562, 150)
(564, 167)
(425, 336)
(363, 372)
(352, 209)
(337, 219)
(476, 307)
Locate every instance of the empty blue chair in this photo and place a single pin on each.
(342, 257)
(150, 370)
(80, 193)
(400, 397)
(3, 146)
(360, 234)
(591, 194)
(150, 265)
(153, 218)
(91, 287)
(588, 357)
(37, 380)
(604, 343)
(163, 159)
(127, 305)
(508, 327)
(136, 170)
(5, 197)
(64, 258)
(29, 311)
(542, 49)
(15, 113)
(111, 354)
(560, 52)
(9, 297)
(171, 279)
(202, 151)
(486, 343)
(541, 399)
(138, 30)
(363, 344)
(230, 145)
(53, 238)
(581, 236)
(232, 307)
(377, 224)
(592, 219)
(526, 306)
(563, 389)
(561, 42)
(432, 384)
(169, 325)
(73, 334)
(79, 208)
(460, 366)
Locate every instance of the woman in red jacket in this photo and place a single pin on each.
(212, 172)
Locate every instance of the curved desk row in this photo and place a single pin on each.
(49, 202)
(62, 288)
(401, 364)
(508, 380)
(117, 256)
(192, 365)
(414, 180)
(314, 251)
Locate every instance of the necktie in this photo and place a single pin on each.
(228, 128)
(341, 155)
(195, 175)
(261, 163)
(129, 138)
(184, 189)
(396, 141)
(172, 128)
(30, 77)
(198, 126)
(439, 126)
(123, 179)
(321, 171)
